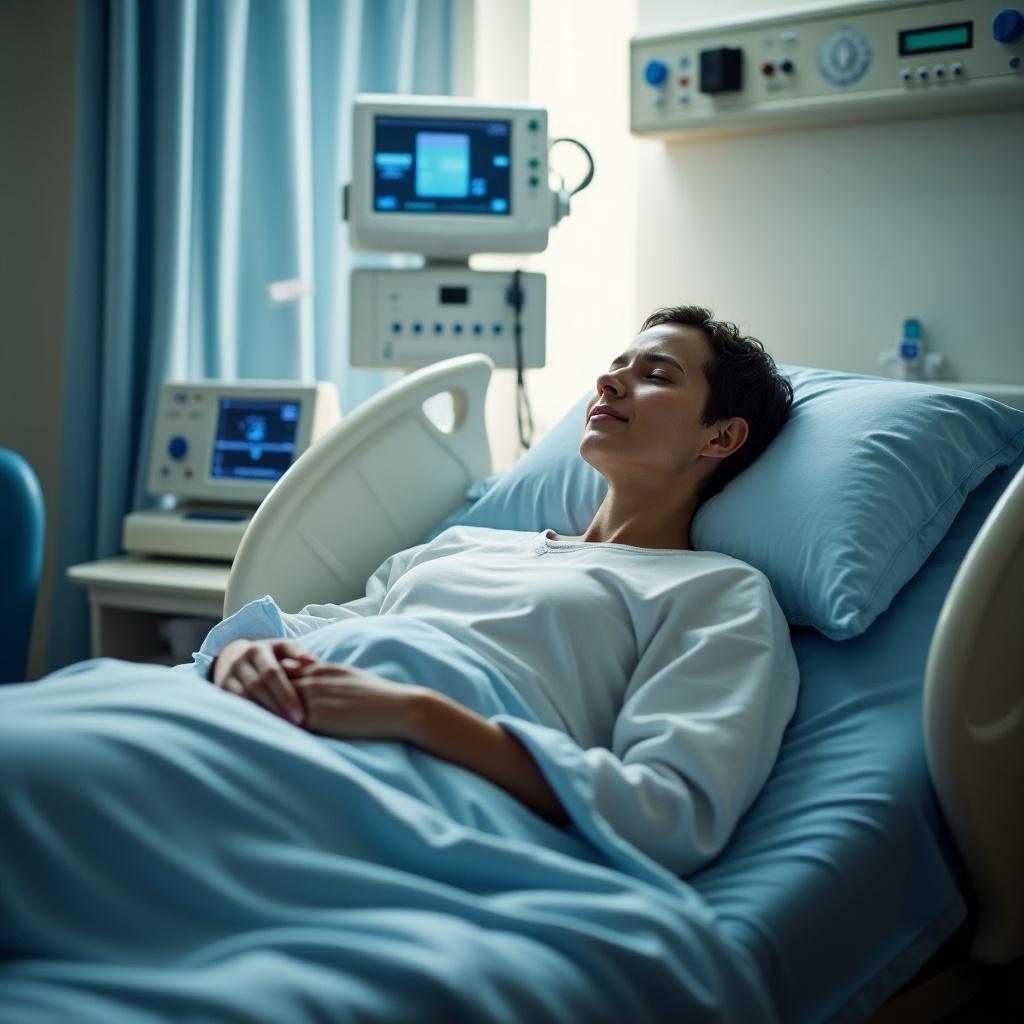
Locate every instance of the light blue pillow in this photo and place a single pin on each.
(839, 512)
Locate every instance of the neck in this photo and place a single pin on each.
(643, 520)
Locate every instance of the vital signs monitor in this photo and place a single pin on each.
(218, 447)
(448, 178)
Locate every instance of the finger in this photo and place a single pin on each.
(293, 668)
(278, 683)
(256, 689)
(327, 668)
(287, 649)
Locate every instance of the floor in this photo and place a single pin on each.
(1001, 1000)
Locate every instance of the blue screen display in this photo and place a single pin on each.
(255, 438)
(442, 165)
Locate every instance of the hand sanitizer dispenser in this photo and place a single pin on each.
(913, 363)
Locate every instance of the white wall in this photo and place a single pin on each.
(821, 242)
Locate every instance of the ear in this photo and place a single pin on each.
(730, 435)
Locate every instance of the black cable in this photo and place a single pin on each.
(522, 399)
(589, 177)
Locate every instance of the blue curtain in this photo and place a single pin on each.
(212, 141)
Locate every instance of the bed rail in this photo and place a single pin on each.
(374, 484)
(974, 722)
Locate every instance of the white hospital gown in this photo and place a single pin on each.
(672, 670)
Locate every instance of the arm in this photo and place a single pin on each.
(454, 733)
(697, 733)
(348, 702)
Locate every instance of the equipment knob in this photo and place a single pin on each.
(655, 73)
(1008, 25)
(177, 447)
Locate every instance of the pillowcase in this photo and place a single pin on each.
(839, 512)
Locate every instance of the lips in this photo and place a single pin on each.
(605, 412)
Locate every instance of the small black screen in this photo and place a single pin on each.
(255, 438)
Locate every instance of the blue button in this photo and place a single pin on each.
(478, 328)
(177, 447)
(457, 328)
(655, 73)
(417, 328)
(496, 328)
(396, 328)
(1015, 63)
(438, 328)
(909, 350)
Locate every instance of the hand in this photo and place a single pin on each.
(262, 671)
(350, 703)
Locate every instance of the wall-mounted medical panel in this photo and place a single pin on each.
(406, 318)
(823, 64)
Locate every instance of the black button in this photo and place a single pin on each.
(721, 70)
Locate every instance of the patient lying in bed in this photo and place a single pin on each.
(469, 794)
(670, 668)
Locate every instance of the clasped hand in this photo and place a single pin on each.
(322, 697)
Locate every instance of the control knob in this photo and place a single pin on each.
(1008, 25)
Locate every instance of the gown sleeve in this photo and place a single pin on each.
(698, 733)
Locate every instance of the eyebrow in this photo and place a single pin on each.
(650, 357)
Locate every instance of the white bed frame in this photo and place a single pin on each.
(388, 474)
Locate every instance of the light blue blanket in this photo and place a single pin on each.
(170, 852)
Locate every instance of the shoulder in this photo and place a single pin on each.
(741, 573)
(722, 584)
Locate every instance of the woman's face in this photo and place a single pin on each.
(646, 413)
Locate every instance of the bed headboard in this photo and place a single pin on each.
(386, 474)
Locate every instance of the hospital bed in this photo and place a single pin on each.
(847, 876)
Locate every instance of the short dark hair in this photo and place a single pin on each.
(743, 381)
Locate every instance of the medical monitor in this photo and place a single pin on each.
(230, 442)
(448, 177)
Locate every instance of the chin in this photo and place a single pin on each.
(590, 449)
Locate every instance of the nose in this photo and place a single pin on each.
(608, 382)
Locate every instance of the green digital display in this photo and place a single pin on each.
(938, 37)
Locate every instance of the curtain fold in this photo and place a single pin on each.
(212, 140)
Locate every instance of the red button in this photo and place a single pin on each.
(684, 81)
(767, 68)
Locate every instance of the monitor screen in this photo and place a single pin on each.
(255, 438)
(442, 165)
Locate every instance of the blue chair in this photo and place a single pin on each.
(22, 528)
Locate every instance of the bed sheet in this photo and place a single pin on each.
(843, 879)
(172, 853)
